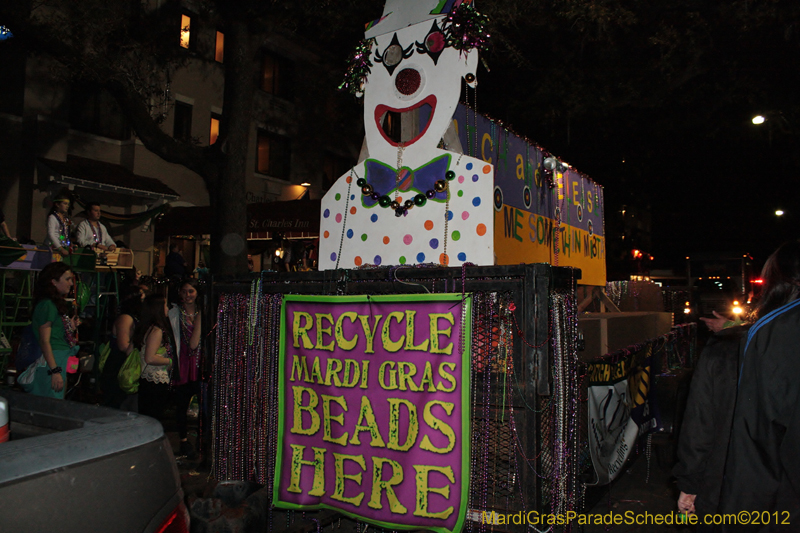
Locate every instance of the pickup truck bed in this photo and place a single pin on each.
(77, 467)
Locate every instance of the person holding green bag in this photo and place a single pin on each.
(55, 327)
(121, 346)
(153, 337)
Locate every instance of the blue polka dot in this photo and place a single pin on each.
(327, 213)
(449, 215)
(377, 260)
(333, 256)
(474, 177)
(352, 197)
(420, 257)
(374, 217)
(462, 256)
(476, 201)
(349, 234)
(434, 243)
(469, 166)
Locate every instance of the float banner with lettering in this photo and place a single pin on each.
(374, 413)
(620, 410)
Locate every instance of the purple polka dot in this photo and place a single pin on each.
(476, 201)
(434, 243)
(420, 257)
(333, 256)
(462, 256)
(465, 215)
(461, 179)
(374, 217)
(408, 239)
(377, 260)
(469, 166)
(338, 217)
(474, 177)
(327, 213)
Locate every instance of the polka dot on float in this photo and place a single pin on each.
(420, 257)
(456, 235)
(444, 259)
(469, 166)
(481, 229)
(326, 213)
(461, 179)
(338, 217)
(374, 217)
(349, 234)
(402, 260)
(487, 169)
(333, 256)
(363, 236)
(462, 256)
(376, 260)
(337, 197)
(353, 210)
(429, 225)
(465, 215)
(349, 179)
(476, 201)
(434, 243)
(358, 261)
(408, 239)
(474, 177)
(460, 194)
(385, 240)
(449, 215)
(353, 197)
(326, 234)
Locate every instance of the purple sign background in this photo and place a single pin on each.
(412, 358)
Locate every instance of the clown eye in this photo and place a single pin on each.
(434, 42)
(393, 55)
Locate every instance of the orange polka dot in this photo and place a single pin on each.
(429, 225)
(444, 259)
(400, 200)
(326, 234)
(352, 210)
(357, 260)
(386, 240)
(349, 179)
(481, 229)
(487, 169)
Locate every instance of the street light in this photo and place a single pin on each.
(779, 212)
(759, 119)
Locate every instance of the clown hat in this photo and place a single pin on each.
(398, 14)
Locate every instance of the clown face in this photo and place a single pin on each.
(412, 91)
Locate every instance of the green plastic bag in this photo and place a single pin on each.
(130, 372)
(102, 354)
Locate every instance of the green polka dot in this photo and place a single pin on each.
(363, 236)
(402, 260)
(456, 235)
(460, 194)
(338, 196)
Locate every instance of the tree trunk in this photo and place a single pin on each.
(228, 193)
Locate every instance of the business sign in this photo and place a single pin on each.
(374, 413)
(537, 220)
(620, 410)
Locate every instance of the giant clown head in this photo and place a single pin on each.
(408, 201)
(415, 80)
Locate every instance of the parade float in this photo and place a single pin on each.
(427, 376)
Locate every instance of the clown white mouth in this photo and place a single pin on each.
(398, 125)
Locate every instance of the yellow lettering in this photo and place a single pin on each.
(447, 377)
(423, 489)
(322, 330)
(334, 367)
(299, 364)
(313, 401)
(369, 333)
(406, 371)
(299, 331)
(367, 415)
(435, 332)
(438, 425)
(327, 430)
(346, 344)
(392, 375)
(351, 373)
(318, 485)
(486, 137)
(338, 489)
(394, 425)
(388, 344)
(410, 334)
(378, 485)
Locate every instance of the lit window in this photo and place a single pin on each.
(186, 31)
(214, 132)
(182, 129)
(273, 155)
(219, 47)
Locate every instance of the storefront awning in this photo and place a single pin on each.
(100, 176)
(295, 218)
